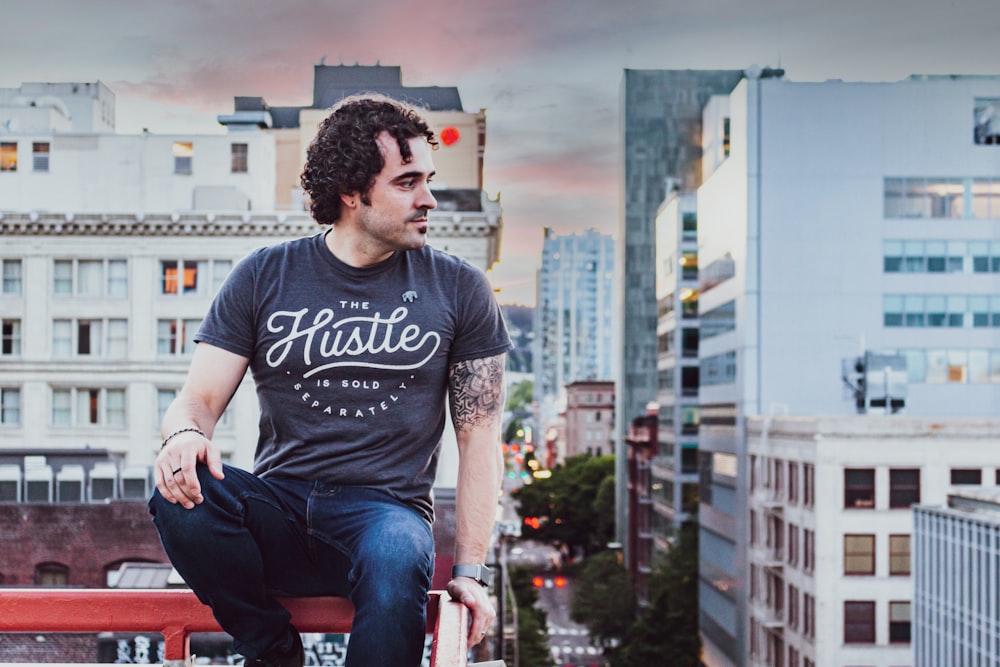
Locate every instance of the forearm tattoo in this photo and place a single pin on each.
(476, 390)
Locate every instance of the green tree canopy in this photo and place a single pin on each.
(571, 506)
(666, 632)
(603, 599)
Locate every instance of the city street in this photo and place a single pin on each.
(569, 642)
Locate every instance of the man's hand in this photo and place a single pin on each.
(174, 469)
(472, 594)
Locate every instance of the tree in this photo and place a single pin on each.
(666, 632)
(570, 506)
(521, 395)
(532, 621)
(603, 599)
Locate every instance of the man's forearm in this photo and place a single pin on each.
(479, 476)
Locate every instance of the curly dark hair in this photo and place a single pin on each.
(344, 157)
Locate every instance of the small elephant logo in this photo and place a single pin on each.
(409, 296)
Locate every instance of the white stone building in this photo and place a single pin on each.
(831, 528)
(111, 249)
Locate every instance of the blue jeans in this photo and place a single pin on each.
(254, 539)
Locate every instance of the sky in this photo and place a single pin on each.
(547, 72)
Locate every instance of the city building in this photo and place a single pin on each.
(643, 446)
(589, 419)
(831, 532)
(674, 470)
(873, 238)
(113, 246)
(573, 318)
(661, 115)
(956, 572)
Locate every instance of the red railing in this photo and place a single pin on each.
(176, 613)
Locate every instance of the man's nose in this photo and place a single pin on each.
(426, 199)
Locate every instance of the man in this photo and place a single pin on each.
(354, 337)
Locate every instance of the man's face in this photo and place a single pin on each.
(395, 217)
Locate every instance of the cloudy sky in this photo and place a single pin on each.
(548, 72)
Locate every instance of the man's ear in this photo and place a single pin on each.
(350, 200)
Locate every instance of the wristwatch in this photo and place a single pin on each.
(479, 572)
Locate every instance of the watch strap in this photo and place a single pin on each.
(482, 574)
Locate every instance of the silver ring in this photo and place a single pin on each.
(178, 470)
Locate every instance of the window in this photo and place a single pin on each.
(51, 574)
(859, 622)
(40, 156)
(719, 320)
(917, 256)
(859, 488)
(899, 554)
(904, 487)
(239, 158)
(689, 226)
(808, 550)
(718, 369)
(917, 310)
(966, 476)
(183, 155)
(793, 544)
(199, 277)
(921, 197)
(8, 156)
(808, 484)
(859, 554)
(808, 615)
(10, 338)
(164, 397)
(899, 622)
(947, 366)
(106, 339)
(689, 265)
(88, 406)
(176, 337)
(793, 607)
(793, 482)
(986, 198)
(986, 121)
(11, 276)
(10, 406)
(90, 278)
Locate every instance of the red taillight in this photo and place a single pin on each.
(538, 582)
(560, 582)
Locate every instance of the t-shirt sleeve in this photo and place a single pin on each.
(481, 331)
(229, 323)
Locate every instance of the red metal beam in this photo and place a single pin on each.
(177, 613)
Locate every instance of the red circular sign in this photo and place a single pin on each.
(450, 135)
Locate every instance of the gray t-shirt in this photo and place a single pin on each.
(351, 364)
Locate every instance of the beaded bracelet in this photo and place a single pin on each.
(193, 429)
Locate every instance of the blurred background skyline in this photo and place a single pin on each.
(547, 73)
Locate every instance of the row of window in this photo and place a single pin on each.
(783, 544)
(952, 366)
(922, 197)
(105, 338)
(85, 406)
(183, 154)
(859, 555)
(859, 622)
(904, 485)
(39, 156)
(770, 474)
(109, 277)
(941, 310)
(906, 256)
